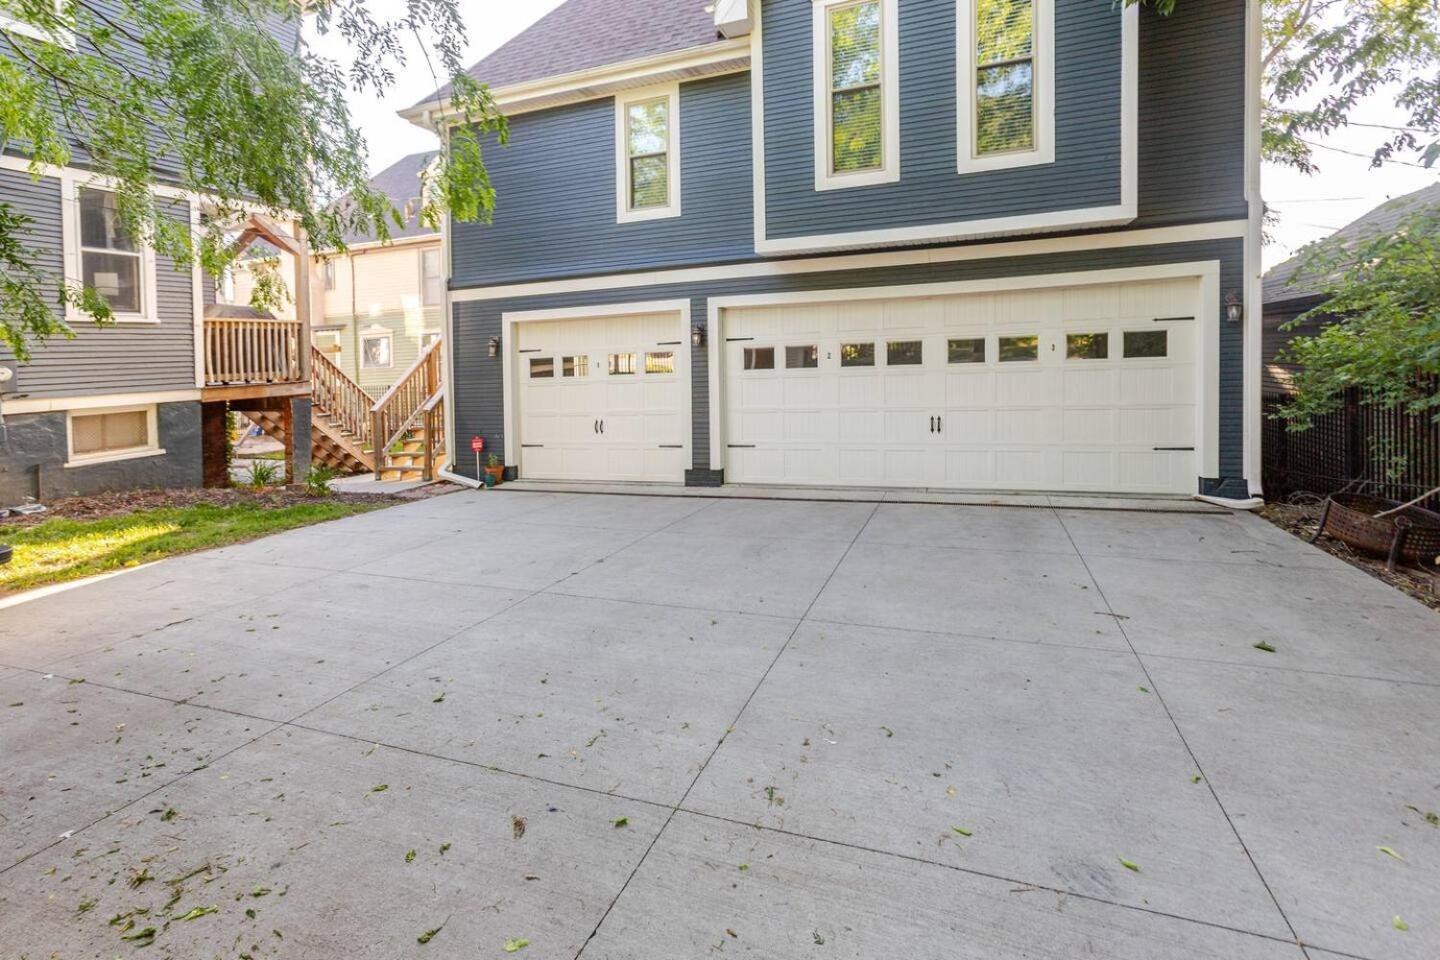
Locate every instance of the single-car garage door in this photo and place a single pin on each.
(604, 398)
(1086, 388)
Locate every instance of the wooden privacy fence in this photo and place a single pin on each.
(252, 351)
(1355, 442)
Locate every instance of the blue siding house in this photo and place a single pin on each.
(954, 244)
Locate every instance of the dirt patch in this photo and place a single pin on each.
(119, 504)
(1302, 516)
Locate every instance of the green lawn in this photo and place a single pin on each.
(60, 549)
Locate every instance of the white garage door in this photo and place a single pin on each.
(604, 398)
(1089, 388)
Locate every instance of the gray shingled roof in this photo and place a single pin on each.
(582, 34)
(401, 183)
(1286, 281)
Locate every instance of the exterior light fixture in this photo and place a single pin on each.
(1234, 307)
(697, 336)
(494, 346)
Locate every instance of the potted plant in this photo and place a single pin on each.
(494, 471)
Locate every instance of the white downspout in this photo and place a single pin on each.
(1254, 238)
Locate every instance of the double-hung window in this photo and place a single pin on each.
(1006, 83)
(112, 262)
(432, 278)
(647, 155)
(857, 113)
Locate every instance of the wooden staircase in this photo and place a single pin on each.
(409, 421)
(345, 420)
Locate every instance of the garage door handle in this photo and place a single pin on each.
(595, 426)
(939, 424)
(932, 424)
(602, 428)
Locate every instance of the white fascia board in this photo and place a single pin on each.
(732, 18)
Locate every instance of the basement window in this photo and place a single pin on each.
(102, 436)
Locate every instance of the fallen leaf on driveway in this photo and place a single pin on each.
(963, 832)
(511, 946)
(1400, 924)
(1130, 865)
(1262, 645)
(621, 822)
(199, 912)
(1390, 853)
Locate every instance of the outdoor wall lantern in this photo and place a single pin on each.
(697, 336)
(494, 346)
(1234, 307)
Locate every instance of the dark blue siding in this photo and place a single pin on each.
(1086, 172)
(555, 185)
(479, 406)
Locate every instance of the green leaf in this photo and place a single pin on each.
(963, 832)
(1130, 865)
(410, 857)
(1262, 645)
(148, 933)
(621, 822)
(1390, 853)
(380, 788)
(888, 732)
(1399, 924)
(429, 935)
(1144, 690)
(199, 912)
(444, 848)
(513, 946)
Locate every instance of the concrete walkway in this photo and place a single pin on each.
(673, 728)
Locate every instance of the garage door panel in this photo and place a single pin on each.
(1039, 421)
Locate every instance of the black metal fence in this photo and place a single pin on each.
(1399, 452)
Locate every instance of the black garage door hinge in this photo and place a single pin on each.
(1173, 448)
(1172, 319)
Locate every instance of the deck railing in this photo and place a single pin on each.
(245, 351)
(335, 394)
(400, 407)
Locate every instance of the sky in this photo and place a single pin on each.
(1309, 207)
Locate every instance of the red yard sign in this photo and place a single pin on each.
(477, 444)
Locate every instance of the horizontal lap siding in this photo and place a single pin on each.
(118, 358)
(1087, 127)
(555, 186)
(478, 391)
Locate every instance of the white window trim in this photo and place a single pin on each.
(377, 335)
(66, 38)
(1044, 92)
(71, 182)
(623, 212)
(150, 449)
(440, 300)
(889, 170)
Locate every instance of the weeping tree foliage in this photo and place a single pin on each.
(217, 99)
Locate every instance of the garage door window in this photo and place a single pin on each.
(904, 353)
(542, 368)
(622, 364)
(971, 350)
(759, 358)
(1015, 349)
(660, 362)
(1146, 344)
(575, 366)
(1087, 346)
(857, 355)
(802, 358)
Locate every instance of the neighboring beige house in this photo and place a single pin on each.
(376, 306)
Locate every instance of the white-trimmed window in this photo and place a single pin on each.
(118, 433)
(327, 275)
(377, 350)
(432, 278)
(102, 255)
(647, 154)
(1006, 89)
(857, 92)
(429, 338)
(24, 28)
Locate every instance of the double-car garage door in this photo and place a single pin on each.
(1084, 388)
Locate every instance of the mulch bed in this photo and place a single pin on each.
(1302, 515)
(119, 504)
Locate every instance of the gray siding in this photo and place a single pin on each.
(32, 462)
(118, 358)
(479, 406)
(555, 186)
(1086, 172)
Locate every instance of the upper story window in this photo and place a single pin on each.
(54, 32)
(647, 155)
(432, 278)
(857, 112)
(1006, 96)
(327, 273)
(111, 261)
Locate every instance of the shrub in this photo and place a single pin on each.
(264, 473)
(318, 480)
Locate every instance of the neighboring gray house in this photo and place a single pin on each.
(893, 243)
(142, 402)
(1291, 289)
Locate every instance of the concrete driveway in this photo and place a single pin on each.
(669, 728)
